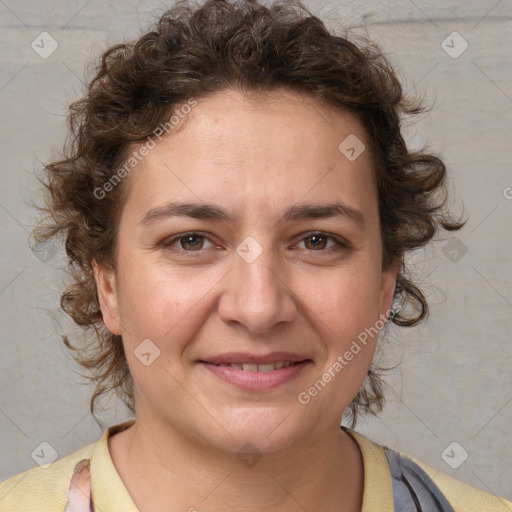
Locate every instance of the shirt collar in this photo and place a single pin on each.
(110, 493)
(378, 491)
(108, 490)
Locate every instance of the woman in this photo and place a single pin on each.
(236, 202)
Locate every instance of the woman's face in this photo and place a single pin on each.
(248, 237)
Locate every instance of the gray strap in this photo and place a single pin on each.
(413, 489)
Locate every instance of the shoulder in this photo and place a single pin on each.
(42, 488)
(463, 497)
(407, 481)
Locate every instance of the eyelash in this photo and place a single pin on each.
(341, 244)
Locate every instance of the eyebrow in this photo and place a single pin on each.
(207, 211)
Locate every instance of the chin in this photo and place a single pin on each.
(267, 430)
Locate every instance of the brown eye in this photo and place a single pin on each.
(188, 243)
(316, 242)
(324, 243)
(191, 242)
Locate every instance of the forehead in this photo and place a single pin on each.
(296, 123)
(276, 146)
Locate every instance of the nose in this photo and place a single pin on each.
(257, 294)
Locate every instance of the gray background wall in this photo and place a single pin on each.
(454, 384)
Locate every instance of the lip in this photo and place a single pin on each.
(243, 357)
(256, 381)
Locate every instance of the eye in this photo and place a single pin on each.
(194, 242)
(187, 242)
(318, 242)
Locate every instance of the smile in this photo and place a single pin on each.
(257, 376)
(251, 367)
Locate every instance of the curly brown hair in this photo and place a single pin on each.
(195, 50)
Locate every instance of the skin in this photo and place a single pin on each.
(255, 157)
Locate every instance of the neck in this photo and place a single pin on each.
(324, 472)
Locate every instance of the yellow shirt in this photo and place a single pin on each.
(45, 490)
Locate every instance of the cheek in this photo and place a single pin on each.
(345, 313)
(165, 310)
(347, 301)
(160, 304)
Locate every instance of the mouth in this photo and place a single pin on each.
(257, 373)
(264, 367)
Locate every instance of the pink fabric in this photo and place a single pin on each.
(79, 493)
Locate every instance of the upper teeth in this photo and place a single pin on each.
(251, 367)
